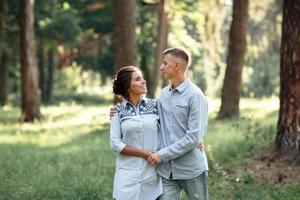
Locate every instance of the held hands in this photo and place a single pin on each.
(154, 159)
(151, 157)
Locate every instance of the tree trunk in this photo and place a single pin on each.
(162, 42)
(288, 126)
(125, 37)
(2, 24)
(237, 47)
(41, 66)
(3, 77)
(29, 72)
(49, 83)
(3, 57)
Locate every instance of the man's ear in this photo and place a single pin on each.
(177, 66)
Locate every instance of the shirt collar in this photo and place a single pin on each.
(125, 101)
(180, 88)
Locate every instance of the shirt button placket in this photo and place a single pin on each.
(140, 160)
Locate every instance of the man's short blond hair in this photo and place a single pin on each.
(179, 52)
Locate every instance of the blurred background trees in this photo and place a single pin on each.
(76, 46)
(3, 56)
(82, 37)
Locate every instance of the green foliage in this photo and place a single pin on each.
(103, 63)
(58, 22)
(97, 17)
(106, 61)
(11, 37)
(261, 75)
(100, 19)
(68, 78)
(64, 28)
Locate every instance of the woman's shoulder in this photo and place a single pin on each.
(125, 109)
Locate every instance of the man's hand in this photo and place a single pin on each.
(200, 145)
(112, 111)
(154, 159)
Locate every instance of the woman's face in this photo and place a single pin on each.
(138, 84)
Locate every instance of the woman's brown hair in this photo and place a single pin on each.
(122, 81)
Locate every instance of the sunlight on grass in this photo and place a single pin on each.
(252, 108)
(67, 156)
(264, 104)
(60, 126)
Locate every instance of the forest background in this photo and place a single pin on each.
(57, 61)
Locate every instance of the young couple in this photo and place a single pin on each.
(156, 140)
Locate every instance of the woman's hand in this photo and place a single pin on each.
(112, 111)
(200, 145)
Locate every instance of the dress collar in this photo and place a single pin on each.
(126, 102)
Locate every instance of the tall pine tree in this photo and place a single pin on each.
(288, 126)
(237, 48)
(29, 71)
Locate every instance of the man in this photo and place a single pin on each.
(183, 116)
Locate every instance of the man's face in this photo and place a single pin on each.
(168, 66)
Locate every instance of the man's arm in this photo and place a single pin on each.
(197, 124)
(118, 146)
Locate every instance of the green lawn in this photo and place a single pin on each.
(67, 156)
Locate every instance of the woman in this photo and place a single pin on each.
(133, 136)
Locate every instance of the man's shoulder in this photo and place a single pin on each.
(165, 89)
(195, 91)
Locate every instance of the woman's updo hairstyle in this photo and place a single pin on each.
(122, 81)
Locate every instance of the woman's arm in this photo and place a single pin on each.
(130, 151)
(116, 143)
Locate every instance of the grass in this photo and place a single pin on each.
(67, 156)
